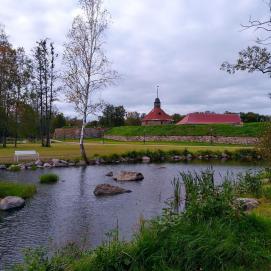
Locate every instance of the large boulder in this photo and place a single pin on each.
(128, 176)
(109, 174)
(247, 204)
(108, 190)
(10, 202)
(59, 163)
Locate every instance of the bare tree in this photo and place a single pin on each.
(87, 67)
(45, 75)
(258, 57)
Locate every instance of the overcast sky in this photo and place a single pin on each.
(177, 44)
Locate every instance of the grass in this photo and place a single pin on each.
(248, 129)
(177, 143)
(17, 189)
(71, 150)
(49, 178)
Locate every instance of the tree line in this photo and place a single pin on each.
(27, 91)
(114, 116)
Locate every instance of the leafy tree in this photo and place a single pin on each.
(87, 69)
(58, 121)
(7, 87)
(28, 120)
(177, 117)
(112, 116)
(93, 124)
(253, 117)
(133, 119)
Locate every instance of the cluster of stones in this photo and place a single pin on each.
(123, 176)
(48, 164)
(145, 159)
(177, 158)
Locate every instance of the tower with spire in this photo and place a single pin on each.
(157, 116)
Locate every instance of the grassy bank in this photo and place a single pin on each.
(70, 150)
(16, 189)
(248, 129)
(213, 233)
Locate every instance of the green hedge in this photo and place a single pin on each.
(248, 129)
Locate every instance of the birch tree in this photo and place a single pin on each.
(87, 68)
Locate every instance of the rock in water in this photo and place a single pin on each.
(247, 204)
(128, 176)
(146, 159)
(8, 203)
(108, 190)
(109, 174)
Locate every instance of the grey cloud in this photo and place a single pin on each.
(179, 45)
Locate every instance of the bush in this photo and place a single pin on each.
(49, 178)
(17, 189)
(14, 168)
(249, 183)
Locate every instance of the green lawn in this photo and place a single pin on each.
(70, 150)
(248, 129)
(176, 143)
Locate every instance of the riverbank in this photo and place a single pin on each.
(70, 150)
(144, 156)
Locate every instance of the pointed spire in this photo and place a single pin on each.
(157, 102)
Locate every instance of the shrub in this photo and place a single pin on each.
(204, 199)
(249, 183)
(14, 168)
(17, 189)
(49, 178)
(33, 167)
(267, 192)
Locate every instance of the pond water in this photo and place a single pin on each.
(68, 211)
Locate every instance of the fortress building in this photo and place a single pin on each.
(211, 118)
(157, 116)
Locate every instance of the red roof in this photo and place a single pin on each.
(157, 114)
(210, 118)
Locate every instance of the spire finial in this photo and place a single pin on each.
(157, 89)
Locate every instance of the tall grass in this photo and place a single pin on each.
(49, 178)
(16, 189)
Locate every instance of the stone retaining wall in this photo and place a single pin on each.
(204, 139)
(74, 133)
